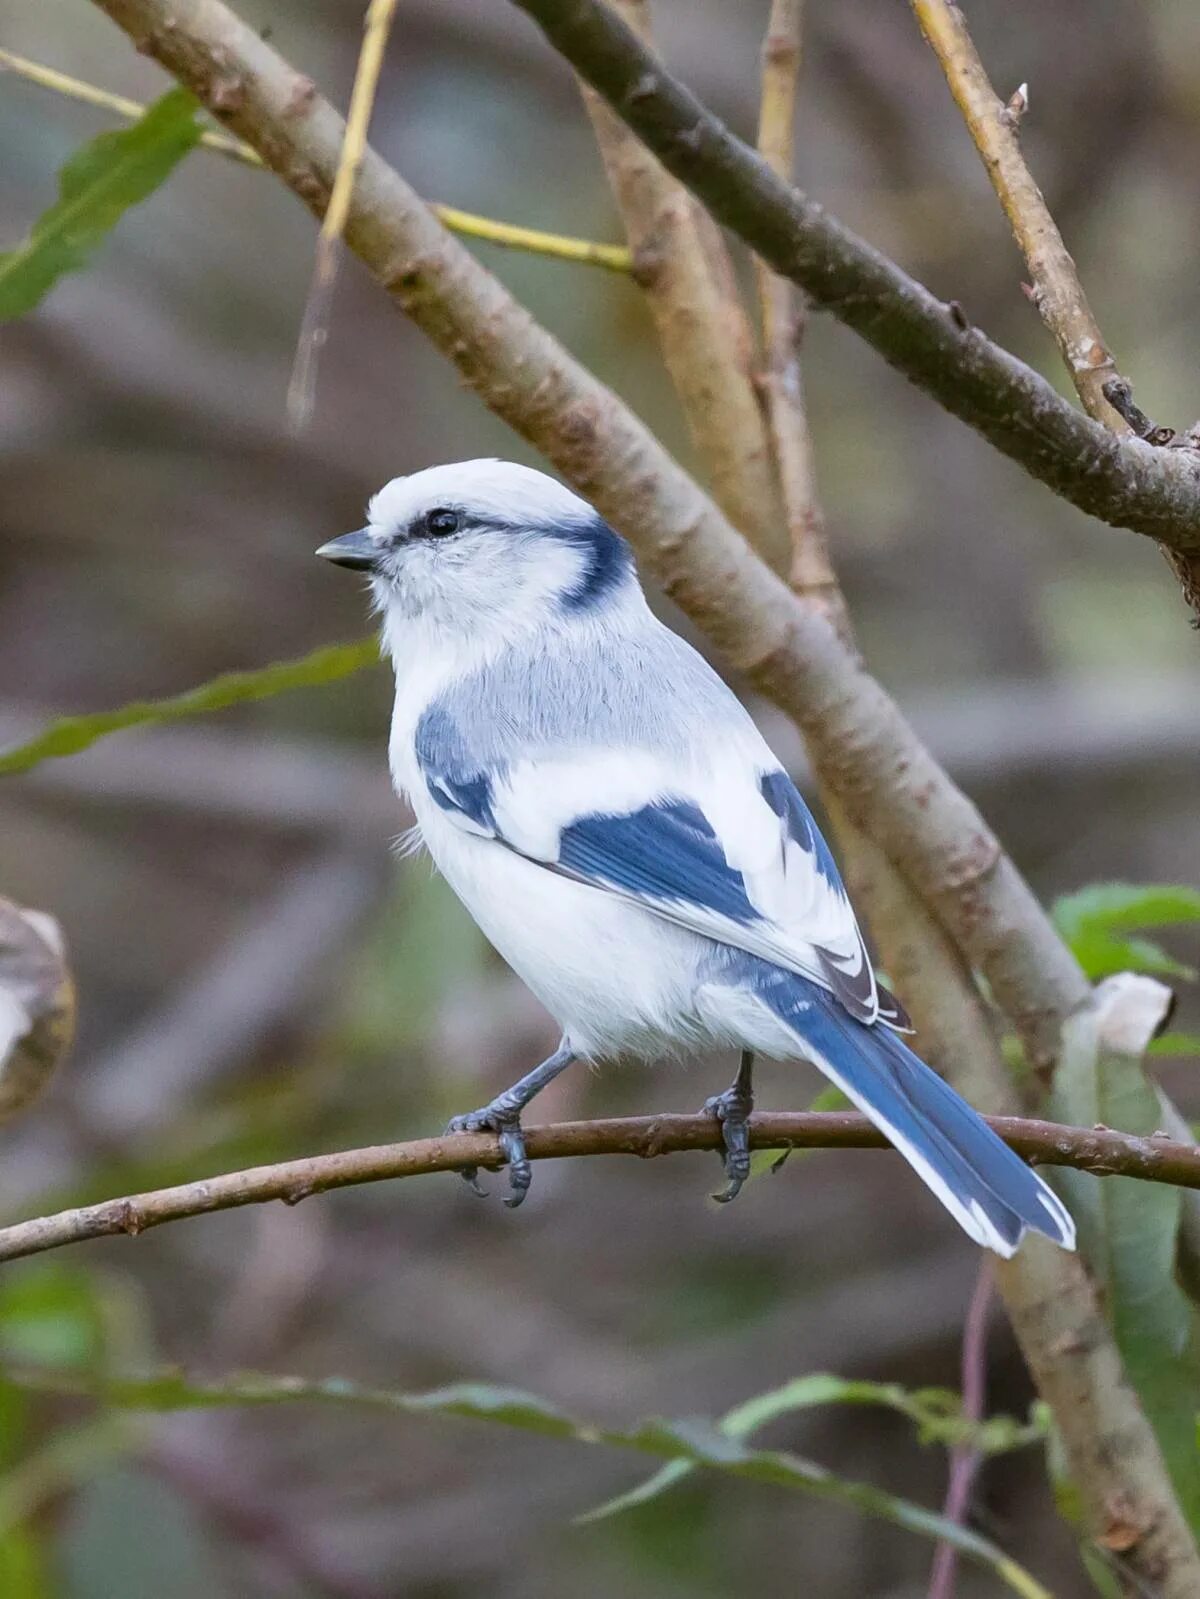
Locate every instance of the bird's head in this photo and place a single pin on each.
(484, 544)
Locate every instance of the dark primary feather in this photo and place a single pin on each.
(913, 1105)
(856, 990)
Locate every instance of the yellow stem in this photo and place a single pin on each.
(509, 235)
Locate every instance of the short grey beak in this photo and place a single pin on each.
(356, 550)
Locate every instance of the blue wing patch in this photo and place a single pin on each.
(860, 992)
(782, 795)
(666, 852)
(453, 784)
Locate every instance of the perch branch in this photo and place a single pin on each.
(1122, 481)
(1056, 290)
(1097, 1149)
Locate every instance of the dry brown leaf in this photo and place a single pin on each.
(37, 1004)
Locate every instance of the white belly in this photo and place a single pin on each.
(616, 978)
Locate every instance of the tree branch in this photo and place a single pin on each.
(1098, 1150)
(1122, 481)
(1057, 291)
(682, 267)
(783, 311)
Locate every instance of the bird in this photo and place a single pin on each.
(609, 814)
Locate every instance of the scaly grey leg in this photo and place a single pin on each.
(732, 1109)
(503, 1117)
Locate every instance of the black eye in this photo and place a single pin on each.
(441, 522)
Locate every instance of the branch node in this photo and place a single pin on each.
(1119, 394)
(1016, 108)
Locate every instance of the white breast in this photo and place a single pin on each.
(616, 978)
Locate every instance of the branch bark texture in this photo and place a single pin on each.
(1096, 1150)
(682, 266)
(1121, 481)
(1057, 291)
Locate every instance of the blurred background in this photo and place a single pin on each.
(258, 977)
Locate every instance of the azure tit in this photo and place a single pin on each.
(612, 819)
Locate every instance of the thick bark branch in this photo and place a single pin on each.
(1122, 481)
(1087, 1149)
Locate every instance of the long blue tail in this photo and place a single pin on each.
(989, 1190)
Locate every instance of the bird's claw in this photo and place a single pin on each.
(506, 1124)
(732, 1110)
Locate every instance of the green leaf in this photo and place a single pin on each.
(1093, 919)
(765, 1161)
(23, 1572)
(1128, 1230)
(73, 734)
(96, 187)
(936, 1413)
(1175, 1046)
(692, 1443)
(67, 1459)
(49, 1313)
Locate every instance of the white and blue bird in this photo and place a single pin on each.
(614, 822)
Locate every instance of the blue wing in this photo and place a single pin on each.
(732, 853)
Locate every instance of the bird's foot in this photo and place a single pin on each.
(733, 1109)
(505, 1121)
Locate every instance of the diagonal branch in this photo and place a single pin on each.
(682, 266)
(1122, 481)
(783, 310)
(1096, 1150)
(1056, 290)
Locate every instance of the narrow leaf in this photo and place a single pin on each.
(1175, 1046)
(1129, 1229)
(695, 1443)
(96, 187)
(73, 734)
(1093, 920)
(936, 1413)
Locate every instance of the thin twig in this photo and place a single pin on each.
(964, 1458)
(120, 105)
(1056, 289)
(508, 235)
(1098, 1150)
(783, 309)
(1056, 292)
(314, 326)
